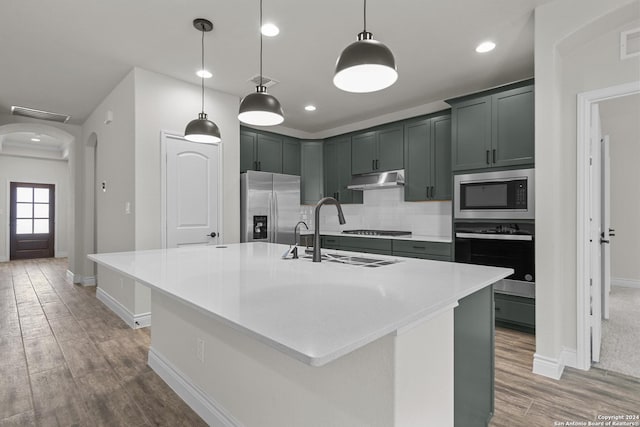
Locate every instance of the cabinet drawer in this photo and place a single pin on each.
(515, 310)
(422, 256)
(422, 248)
(331, 242)
(365, 244)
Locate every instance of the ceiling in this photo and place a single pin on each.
(34, 144)
(66, 56)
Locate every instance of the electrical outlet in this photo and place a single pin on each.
(200, 350)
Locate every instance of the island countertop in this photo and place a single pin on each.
(314, 312)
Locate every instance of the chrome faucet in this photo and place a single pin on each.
(316, 235)
(295, 240)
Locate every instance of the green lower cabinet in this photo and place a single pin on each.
(437, 251)
(515, 312)
(330, 242)
(473, 359)
(365, 244)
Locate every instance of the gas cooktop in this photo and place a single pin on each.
(378, 232)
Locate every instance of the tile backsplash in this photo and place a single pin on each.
(386, 209)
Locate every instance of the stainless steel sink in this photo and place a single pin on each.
(355, 260)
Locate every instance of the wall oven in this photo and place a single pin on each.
(508, 245)
(505, 195)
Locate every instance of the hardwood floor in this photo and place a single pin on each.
(67, 360)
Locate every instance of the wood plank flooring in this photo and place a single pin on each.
(67, 360)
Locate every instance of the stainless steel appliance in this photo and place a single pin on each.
(508, 245)
(269, 207)
(507, 195)
(390, 233)
(377, 180)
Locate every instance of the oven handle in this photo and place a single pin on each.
(495, 236)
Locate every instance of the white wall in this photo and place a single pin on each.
(115, 167)
(387, 210)
(576, 50)
(166, 104)
(21, 169)
(621, 121)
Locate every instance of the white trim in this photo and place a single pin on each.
(164, 136)
(61, 254)
(208, 409)
(547, 366)
(625, 283)
(583, 131)
(71, 276)
(87, 281)
(4, 258)
(134, 321)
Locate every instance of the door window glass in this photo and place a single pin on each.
(32, 210)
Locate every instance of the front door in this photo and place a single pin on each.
(191, 192)
(32, 220)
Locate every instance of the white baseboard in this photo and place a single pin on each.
(208, 409)
(134, 321)
(627, 283)
(62, 254)
(81, 280)
(547, 366)
(4, 259)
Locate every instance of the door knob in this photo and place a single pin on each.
(212, 234)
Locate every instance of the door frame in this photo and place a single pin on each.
(56, 252)
(584, 102)
(165, 137)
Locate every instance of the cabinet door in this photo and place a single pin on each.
(269, 153)
(513, 127)
(471, 134)
(441, 158)
(291, 156)
(247, 151)
(417, 167)
(330, 168)
(390, 149)
(363, 150)
(311, 183)
(344, 161)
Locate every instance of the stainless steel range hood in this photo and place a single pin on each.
(378, 180)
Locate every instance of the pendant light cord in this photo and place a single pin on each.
(365, 16)
(202, 70)
(260, 42)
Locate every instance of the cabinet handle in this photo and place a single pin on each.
(255, 165)
(494, 155)
(373, 165)
(259, 165)
(419, 247)
(338, 196)
(427, 192)
(488, 162)
(377, 164)
(432, 191)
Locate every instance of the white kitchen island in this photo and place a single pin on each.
(250, 339)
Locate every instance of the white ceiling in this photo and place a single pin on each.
(66, 56)
(22, 144)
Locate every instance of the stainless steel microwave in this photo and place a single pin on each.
(495, 195)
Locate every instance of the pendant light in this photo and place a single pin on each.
(260, 108)
(202, 129)
(366, 65)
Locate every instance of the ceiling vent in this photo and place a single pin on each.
(39, 114)
(630, 43)
(266, 81)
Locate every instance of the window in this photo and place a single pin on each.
(32, 210)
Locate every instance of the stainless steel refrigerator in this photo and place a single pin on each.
(269, 207)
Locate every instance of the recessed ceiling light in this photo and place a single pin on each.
(35, 139)
(310, 108)
(270, 30)
(204, 74)
(485, 47)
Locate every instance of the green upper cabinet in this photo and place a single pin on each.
(311, 183)
(291, 156)
(512, 127)
(378, 150)
(428, 159)
(337, 170)
(494, 129)
(268, 152)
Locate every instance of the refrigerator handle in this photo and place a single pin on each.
(275, 217)
(270, 218)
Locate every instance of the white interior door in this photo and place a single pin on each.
(595, 172)
(191, 193)
(606, 226)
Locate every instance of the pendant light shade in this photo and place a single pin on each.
(260, 108)
(202, 129)
(366, 65)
